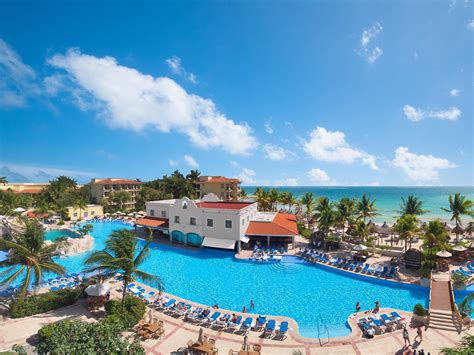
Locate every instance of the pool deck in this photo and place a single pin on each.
(178, 332)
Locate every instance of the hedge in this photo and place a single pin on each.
(134, 310)
(78, 337)
(45, 302)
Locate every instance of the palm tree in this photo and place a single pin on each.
(345, 211)
(284, 197)
(80, 204)
(435, 235)
(366, 207)
(263, 199)
(120, 197)
(459, 206)
(292, 201)
(119, 256)
(243, 194)
(407, 227)
(307, 200)
(273, 197)
(361, 230)
(3, 180)
(193, 175)
(412, 205)
(324, 214)
(30, 258)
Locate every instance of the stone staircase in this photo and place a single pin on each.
(442, 320)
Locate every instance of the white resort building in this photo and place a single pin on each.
(217, 224)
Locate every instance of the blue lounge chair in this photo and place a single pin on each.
(392, 272)
(386, 319)
(352, 266)
(54, 288)
(397, 316)
(270, 328)
(261, 320)
(366, 268)
(236, 324)
(214, 317)
(470, 267)
(384, 271)
(283, 328)
(169, 304)
(376, 322)
(247, 324)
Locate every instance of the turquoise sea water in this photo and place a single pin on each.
(388, 198)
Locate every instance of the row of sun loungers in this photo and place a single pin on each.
(384, 323)
(355, 266)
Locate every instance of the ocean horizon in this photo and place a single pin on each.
(387, 198)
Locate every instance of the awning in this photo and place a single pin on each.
(218, 243)
(245, 239)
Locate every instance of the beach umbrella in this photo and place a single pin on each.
(459, 248)
(359, 247)
(444, 254)
(19, 210)
(200, 336)
(100, 289)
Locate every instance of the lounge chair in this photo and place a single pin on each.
(392, 272)
(247, 324)
(352, 266)
(377, 324)
(470, 267)
(270, 328)
(194, 315)
(169, 304)
(261, 320)
(212, 319)
(222, 322)
(366, 268)
(236, 324)
(386, 319)
(384, 271)
(283, 329)
(397, 316)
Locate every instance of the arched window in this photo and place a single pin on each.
(185, 205)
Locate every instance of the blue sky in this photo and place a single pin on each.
(276, 93)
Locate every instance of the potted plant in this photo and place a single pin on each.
(420, 314)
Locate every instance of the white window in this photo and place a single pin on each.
(192, 221)
(152, 213)
(210, 222)
(163, 214)
(228, 223)
(176, 219)
(185, 205)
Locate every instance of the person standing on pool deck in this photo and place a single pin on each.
(419, 333)
(252, 305)
(406, 336)
(357, 306)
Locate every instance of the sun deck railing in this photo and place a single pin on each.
(429, 301)
(457, 318)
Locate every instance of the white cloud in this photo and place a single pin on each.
(172, 162)
(17, 80)
(416, 114)
(268, 127)
(374, 183)
(454, 92)
(289, 124)
(287, 182)
(274, 152)
(470, 25)
(177, 68)
(247, 176)
(234, 164)
(420, 168)
(366, 50)
(319, 177)
(29, 173)
(191, 161)
(331, 146)
(125, 98)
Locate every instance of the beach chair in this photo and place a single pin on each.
(169, 304)
(222, 322)
(236, 324)
(283, 329)
(378, 325)
(270, 328)
(352, 266)
(384, 271)
(366, 268)
(397, 316)
(261, 320)
(247, 324)
(392, 272)
(194, 315)
(470, 267)
(212, 319)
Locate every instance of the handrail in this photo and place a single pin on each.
(429, 301)
(327, 332)
(454, 307)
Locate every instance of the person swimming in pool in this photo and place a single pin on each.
(252, 305)
(358, 307)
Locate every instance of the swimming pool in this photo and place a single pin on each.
(59, 233)
(315, 296)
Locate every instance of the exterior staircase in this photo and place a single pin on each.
(444, 314)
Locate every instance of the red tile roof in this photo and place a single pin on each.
(33, 214)
(118, 181)
(220, 179)
(224, 205)
(282, 224)
(153, 222)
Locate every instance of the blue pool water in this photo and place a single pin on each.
(55, 234)
(312, 295)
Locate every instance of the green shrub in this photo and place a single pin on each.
(419, 310)
(134, 310)
(303, 231)
(45, 302)
(61, 223)
(78, 337)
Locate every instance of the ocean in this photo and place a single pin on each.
(387, 198)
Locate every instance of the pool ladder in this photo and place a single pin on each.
(325, 331)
